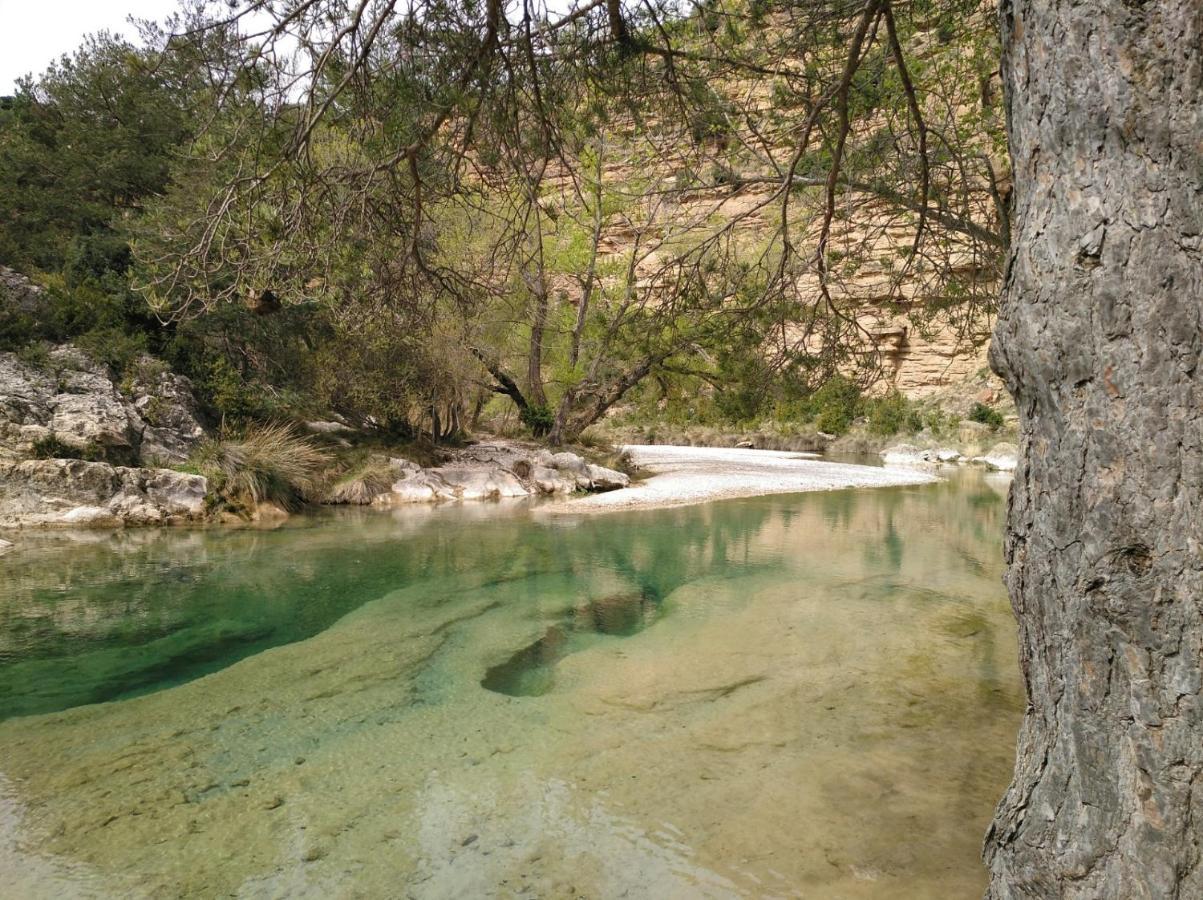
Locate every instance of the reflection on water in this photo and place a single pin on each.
(529, 672)
(810, 695)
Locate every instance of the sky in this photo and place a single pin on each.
(33, 33)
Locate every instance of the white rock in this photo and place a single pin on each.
(403, 465)
(5, 546)
(568, 462)
(603, 479)
(907, 455)
(75, 492)
(327, 427)
(1000, 458)
(85, 515)
(482, 484)
(550, 481)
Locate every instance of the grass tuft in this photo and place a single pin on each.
(266, 463)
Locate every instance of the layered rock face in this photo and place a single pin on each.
(74, 492)
(72, 400)
(72, 441)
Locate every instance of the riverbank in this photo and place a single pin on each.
(681, 476)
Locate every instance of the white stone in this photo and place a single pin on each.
(327, 427)
(907, 455)
(603, 479)
(1000, 458)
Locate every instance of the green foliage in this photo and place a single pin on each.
(265, 463)
(17, 329)
(539, 419)
(115, 347)
(986, 415)
(222, 388)
(79, 146)
(892, 414)
(835, 405)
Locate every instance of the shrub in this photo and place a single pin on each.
(539, 419)
(53, 447)
(986, 416)
(835, 405)
(363, 484)
(891, 414)
(267, 462)
(115, 348)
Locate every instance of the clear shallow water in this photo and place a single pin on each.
(807, 695)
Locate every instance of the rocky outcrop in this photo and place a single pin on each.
(75, 492)
(165, 403)
(19, 295)
(67, 404)
(496, 471)
(1001, 457)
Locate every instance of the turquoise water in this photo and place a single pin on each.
(90, 618)
(802, 695)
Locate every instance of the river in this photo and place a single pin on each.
(803, 695)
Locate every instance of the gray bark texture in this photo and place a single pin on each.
(1099, 340)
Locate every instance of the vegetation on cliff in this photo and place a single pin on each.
(412, 241)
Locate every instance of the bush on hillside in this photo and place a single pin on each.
(892, 414)
(986, 416)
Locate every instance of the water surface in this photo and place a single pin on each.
(794, 696)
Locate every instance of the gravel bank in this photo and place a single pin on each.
(685, 475)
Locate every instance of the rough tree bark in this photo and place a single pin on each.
(1099, 340)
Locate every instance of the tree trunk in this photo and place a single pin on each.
(1099, 340)
(590, 402)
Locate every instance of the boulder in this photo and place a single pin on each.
(568, 462)
(421, 486)
(1000, 458)
(20, 295)
(602, 479)
(88, 412)
(5, 546)
(76, 492)
(907, 455)
(482, 484)
(551, 481)
(327, 427)
(497, 470)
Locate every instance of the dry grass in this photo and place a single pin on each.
(363, 484)
(266, 463)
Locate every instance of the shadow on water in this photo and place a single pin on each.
(531, 671)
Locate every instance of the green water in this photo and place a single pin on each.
(804, 695)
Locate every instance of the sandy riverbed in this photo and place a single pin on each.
(685, 475)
